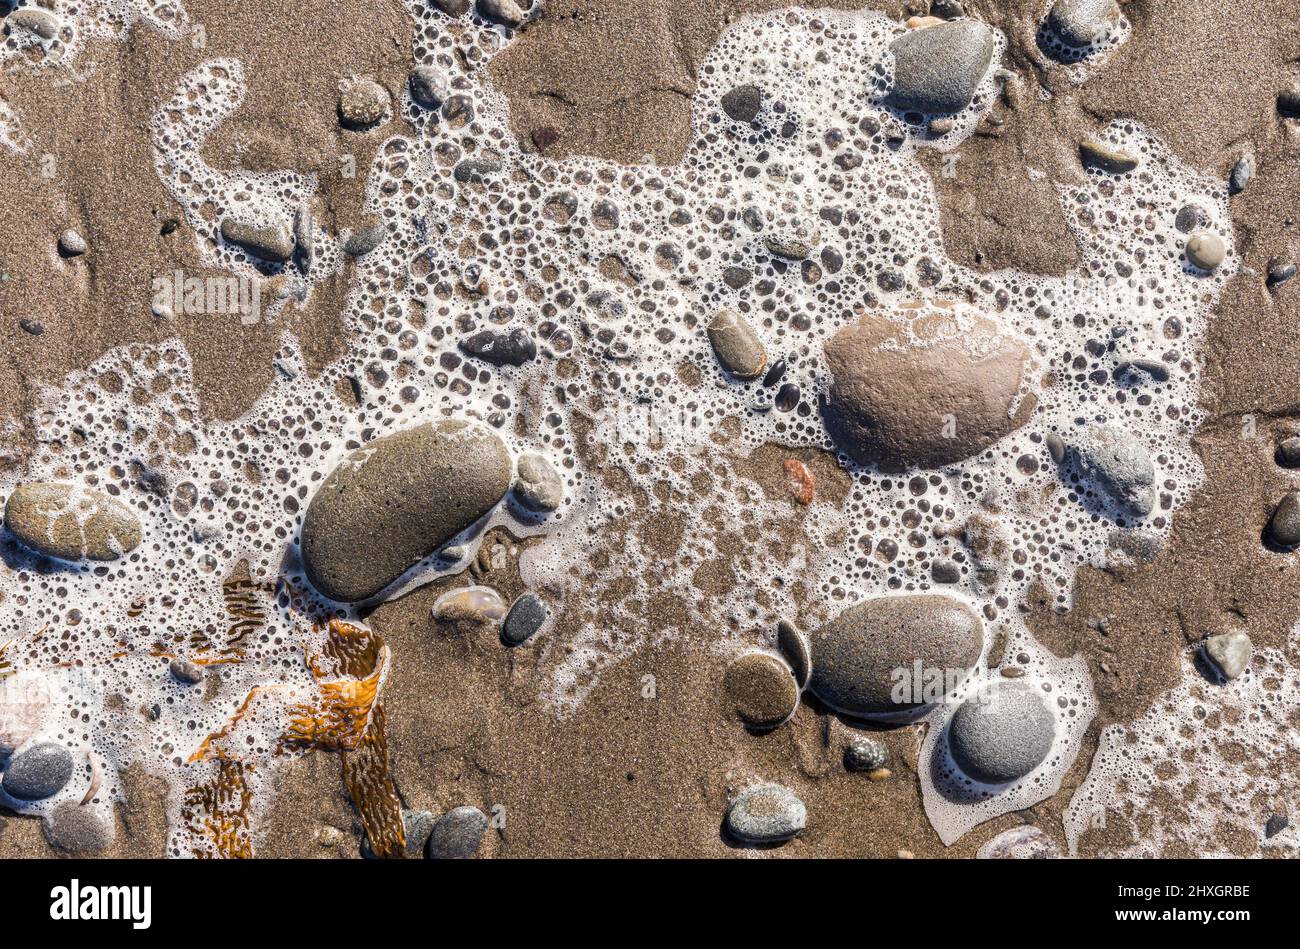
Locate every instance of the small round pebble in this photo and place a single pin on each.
(1205, 249)
(185, 671)
(39, 772)
(526, 616)
(742, 103)
(1288, 452)
(766, 814)
(457, 834)
(363, 103)
(72, 244)
(865, 754)
(762, 689)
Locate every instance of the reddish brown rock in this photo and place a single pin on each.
(927, 386)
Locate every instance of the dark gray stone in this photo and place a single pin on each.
(475, 170)
(429, 88)
(742, 103)
(1284, 525)
(1275, 825)
(1242, 172)
(947, 9)
(865, 754)
(363, 241)
(864, 653)
(395, 501)
(1280, 270)
(526, 616)
(1002, 734)
(513, 348)
(937, 69)
(39, 772)
(185, 671)
(766, 814)
(458, 834)
(1288, 452)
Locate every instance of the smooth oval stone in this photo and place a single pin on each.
(1082, 22)
(71, 522)
(865, 754)
(396, 500)
(526, 616)
(1113, 161)
(1020, 843)
(457, 834)
(474, 605)
(736, 345)
(39, 772)
(937, 69)
(1284, 525)
(475, 170)
(742, 103)
(766, 814)
(79, 828)
(1230, 652)
(1288, 452)
(271, 242)
(861, 657)
(761, 689)
(513, 348)
(1002, 733)
(1119, 464)
(72, 244)
(363, 241)
(34, 20)
(1242, 172)
(538, 486)
(506, 12)
(1205, 250)
(898, 405)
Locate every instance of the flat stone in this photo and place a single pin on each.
(762, 689)
(1230, 652)
(1113, 161)
(1119, 465)
(72, 244)
(470, 605)
(898, 405)
(363, 103)
(512, 348)
(1081, 23)
(458, 834)
(1205, 249)
(1284, 525)
(865, 754)
(937, 69)
(1275, 824)
(79, 828)
(37, 773)
(1020, 843)
(864, 660)
(742, 103)
(736, 345)
(396, 500)
(766, 814)
(34, 20)
(794, 647)
(185, 671)
(71, 522)
(538, 486)
(304, 236)
(429, 88)
(526, 616)
(506, 12)
(1002, 733)
(271, 242)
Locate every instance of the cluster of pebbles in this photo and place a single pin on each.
(516, 322)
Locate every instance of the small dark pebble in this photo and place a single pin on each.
(1288, 452)
(736, 277)
(514, 348)
(787, 397)
(1056, 447)
(1280, 270)
(1284, 525)
(544, 137)
(168, 226)
(1190, 217)
(1275, 825)
(945, 571)
(473, 170)
(774, 373)
(743, 102)
(1241, 174)
(31, 326)
(526, 616)
(1152, 367)
(1288, 104)
(947, 9)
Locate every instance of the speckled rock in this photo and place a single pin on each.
(1288, 452)
(865, 754)
(185, 671)
(363, 103)
(526, 616)
(1230, 652)
(736, 345)
(506, 12)
(365, 239)
(470, 605)
(766, 814)
(395, 501)
(1020, 843)
(79, 828)
(1114, 461)
(458, 834)
(271, 242)
(71, 522)
(39, 772)
(863, 654)
(538, 486)
(1081, 23)
(742, 103)
(1002, 733)
(72, 244)
(1284, 525)
(761, 689)
(897, 405)
(937, 69)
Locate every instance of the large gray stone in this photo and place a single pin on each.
(936, 69)
(71, 522)
(458, 834)
(924, 392)
(1002, 734)
(39, 772)
(766, 814)
(871, 649)
(1117, 463)
(395, 501)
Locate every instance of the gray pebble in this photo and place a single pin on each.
(475, 170)
(304, 236)
(512, 348)
(72, 244)
(1190, 217)
(795, 243)
(71, 522)
(736, 345)
(31, 327)
(1230, 652)
(945, 571)
(1114, 161)
(429, 89)
(271, 242)
(1055, 447)
(1275, 825)
(79, 828)
(1288, 104)
(1001, 734)
(185, 671)
(1081, 23)
(1280, 270)
(742, 103)
(458, 834)
(1241, 174)
(766, 814)
(34, 20)
(947, 9)
(937, 69)
(1120, 466)
(1284, 525)
(39, 772)
(865, 754)
(538, 486)
(363, 241)
(526, 616)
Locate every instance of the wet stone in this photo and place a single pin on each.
(1002, 734)
(71, 522)
(37, 773)
(1103, 157)
(72, 244)
(742, 103)
(865, 754)
(762, 690)
(1284, 525)
(1275, 825)
(527, 615)
(270, 241)
(538, 486)
(736, 345)
(452, 7)
(32, 19)
(512, 348)
(1118, 464)
(766, 814)
(506, 12)
(1205, 250)
(363, 103)
(429, 88)
(1288, 452)
(1280, 270)
(457, 835)
(1242, 171)
(475, 170)
(937, 69)
(363, 241)
(185, 671)
(1080, 23)
(793, 645)
(79, 828)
